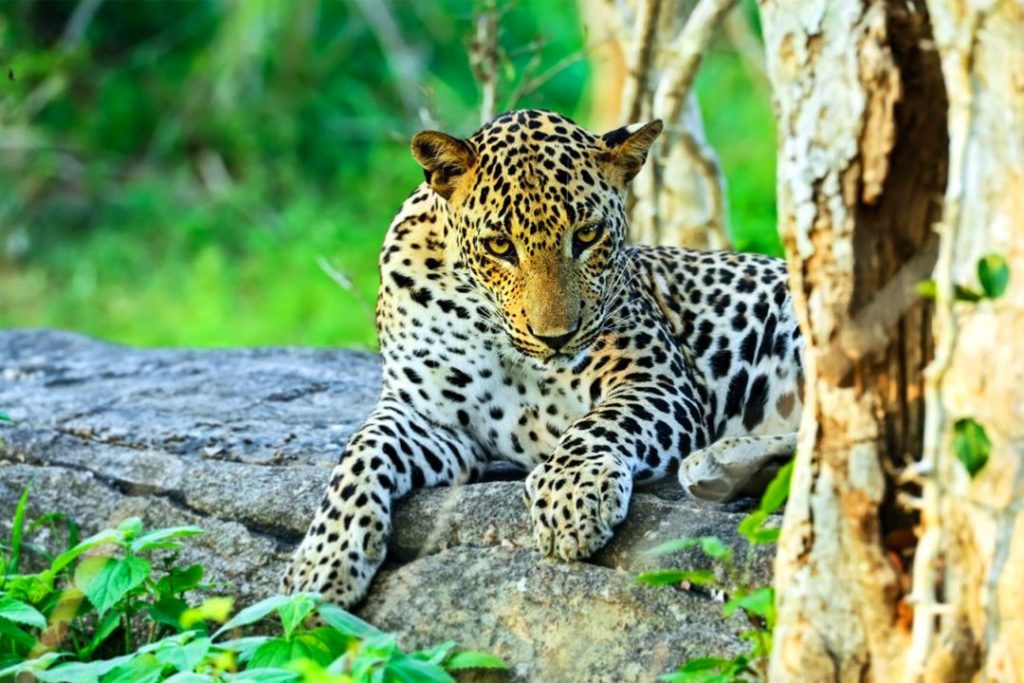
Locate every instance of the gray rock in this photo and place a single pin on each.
(241, 442)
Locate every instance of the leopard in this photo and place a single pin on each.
(516, 324)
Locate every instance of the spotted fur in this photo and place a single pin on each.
(515, 323)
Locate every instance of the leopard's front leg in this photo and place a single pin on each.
(580, 493)
(395, 451)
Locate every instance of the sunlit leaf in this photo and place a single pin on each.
(971, 444)
(994, 275)
(778, 490)
(474, 660)
(216, 609)
(668, 577)
(21, 613)
(106, 580)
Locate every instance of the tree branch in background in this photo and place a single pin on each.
(483, 58)
(748, 45)
(79, 22)
(529, 85)
(639, 58)
(404, 62)
(685, 55)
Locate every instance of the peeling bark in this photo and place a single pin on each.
(679, 198)
(969, 570)
(861, 169)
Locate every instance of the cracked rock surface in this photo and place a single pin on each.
(241, 443)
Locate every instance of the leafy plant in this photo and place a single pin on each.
(755, 602)
(122, 617)
(971, 444)
(993, 274)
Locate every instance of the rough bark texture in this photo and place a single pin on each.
(861, 168)
(679, 197)
(969, 621)
(241, 442)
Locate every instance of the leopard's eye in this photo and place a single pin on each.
(500, 247)
(585, 237)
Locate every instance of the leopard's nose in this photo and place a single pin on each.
(556, 342)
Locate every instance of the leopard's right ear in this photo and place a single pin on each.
(444, 160)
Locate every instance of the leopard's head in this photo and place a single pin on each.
(537, 208)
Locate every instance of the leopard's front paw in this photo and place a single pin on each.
(575, 501)
(342, 550)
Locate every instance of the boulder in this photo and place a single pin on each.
(241, 443)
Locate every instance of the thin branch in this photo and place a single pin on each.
(705, 161)
(638, 60)
(748, 45)
(686, 52)
(79, 21)
(869, 330)
(527, 86)
(926, 584)
(483, 59)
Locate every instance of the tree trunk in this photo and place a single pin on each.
(862, 147)
(678, 198)
(969, 570)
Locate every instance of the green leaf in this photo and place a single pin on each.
(4, 417)
(17, 529)
(436, 654)
(184, 657)
(161, 539)
(704, 664)
(69, 556)
(179, 580)
(139, 669)
(108, 624)
(21, 613)
(254, 612)
(212, 609)
(760, 602)
(266, 676)
(778, 490)
(713, 547)
(294, 612)
(966, 294)
(81, 672)
(347, 623)
(667, 577)
(32, 665)
(278, 652)
(22, 639)
(243, 647)
(105, 581)
(128, 529)
(926, 289)
(474, 660)
(189, 677)
(167, 611)
(409, 670)
(971, 444)
(994, 275)
(752, 528)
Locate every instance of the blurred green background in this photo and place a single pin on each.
(181, 172)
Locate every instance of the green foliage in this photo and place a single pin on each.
(76, 622)
(756, 603)
(174, 176)
(971, 444)
(993, 274)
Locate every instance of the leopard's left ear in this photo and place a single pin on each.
(444, 160)
(627, 148)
